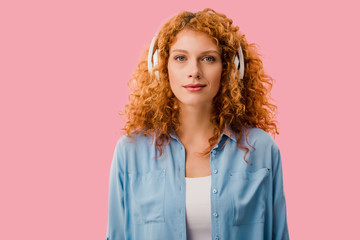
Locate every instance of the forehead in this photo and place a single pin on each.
(191, 40)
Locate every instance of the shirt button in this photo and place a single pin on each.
(215, 171)
(217, 238)
(215, 214)
(214, 190)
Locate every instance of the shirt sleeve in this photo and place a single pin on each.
(115, 226)
(280, 228)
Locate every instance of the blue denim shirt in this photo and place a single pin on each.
(147, 195)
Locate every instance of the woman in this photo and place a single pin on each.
(197, 160)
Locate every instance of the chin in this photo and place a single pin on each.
(195, 102)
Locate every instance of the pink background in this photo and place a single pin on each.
(64, 66)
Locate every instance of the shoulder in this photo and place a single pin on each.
(135, 141)
(134, 149)
(262, 146)
(258, 137)
(134, 138)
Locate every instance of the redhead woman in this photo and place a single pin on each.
(198, 160)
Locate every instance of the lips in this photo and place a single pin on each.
(194, 87)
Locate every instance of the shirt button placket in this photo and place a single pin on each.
(181, 209)
(214, 197)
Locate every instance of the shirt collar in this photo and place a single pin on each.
(227, 132)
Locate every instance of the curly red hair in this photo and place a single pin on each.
(239, 104)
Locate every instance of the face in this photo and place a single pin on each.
(194, 68)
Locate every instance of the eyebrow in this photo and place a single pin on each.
(205, 52)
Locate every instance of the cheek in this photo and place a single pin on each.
(170, 72)
(216, 87)
(173, 75)
(172, 78)
(216, 77)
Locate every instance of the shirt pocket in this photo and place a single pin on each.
(249, 192)
(147, 193)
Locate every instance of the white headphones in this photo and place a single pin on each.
(153, 60)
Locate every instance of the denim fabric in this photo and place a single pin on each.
(147, 195)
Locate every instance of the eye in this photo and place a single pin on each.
(209, 59)
(180, 58)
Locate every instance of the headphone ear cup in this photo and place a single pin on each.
(156, 58)
(156, 62)
(239, 62)
(153, 58)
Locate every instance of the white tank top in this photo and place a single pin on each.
(198, 208)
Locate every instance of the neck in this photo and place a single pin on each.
(195, 123)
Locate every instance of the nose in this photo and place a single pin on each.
(194, 70)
